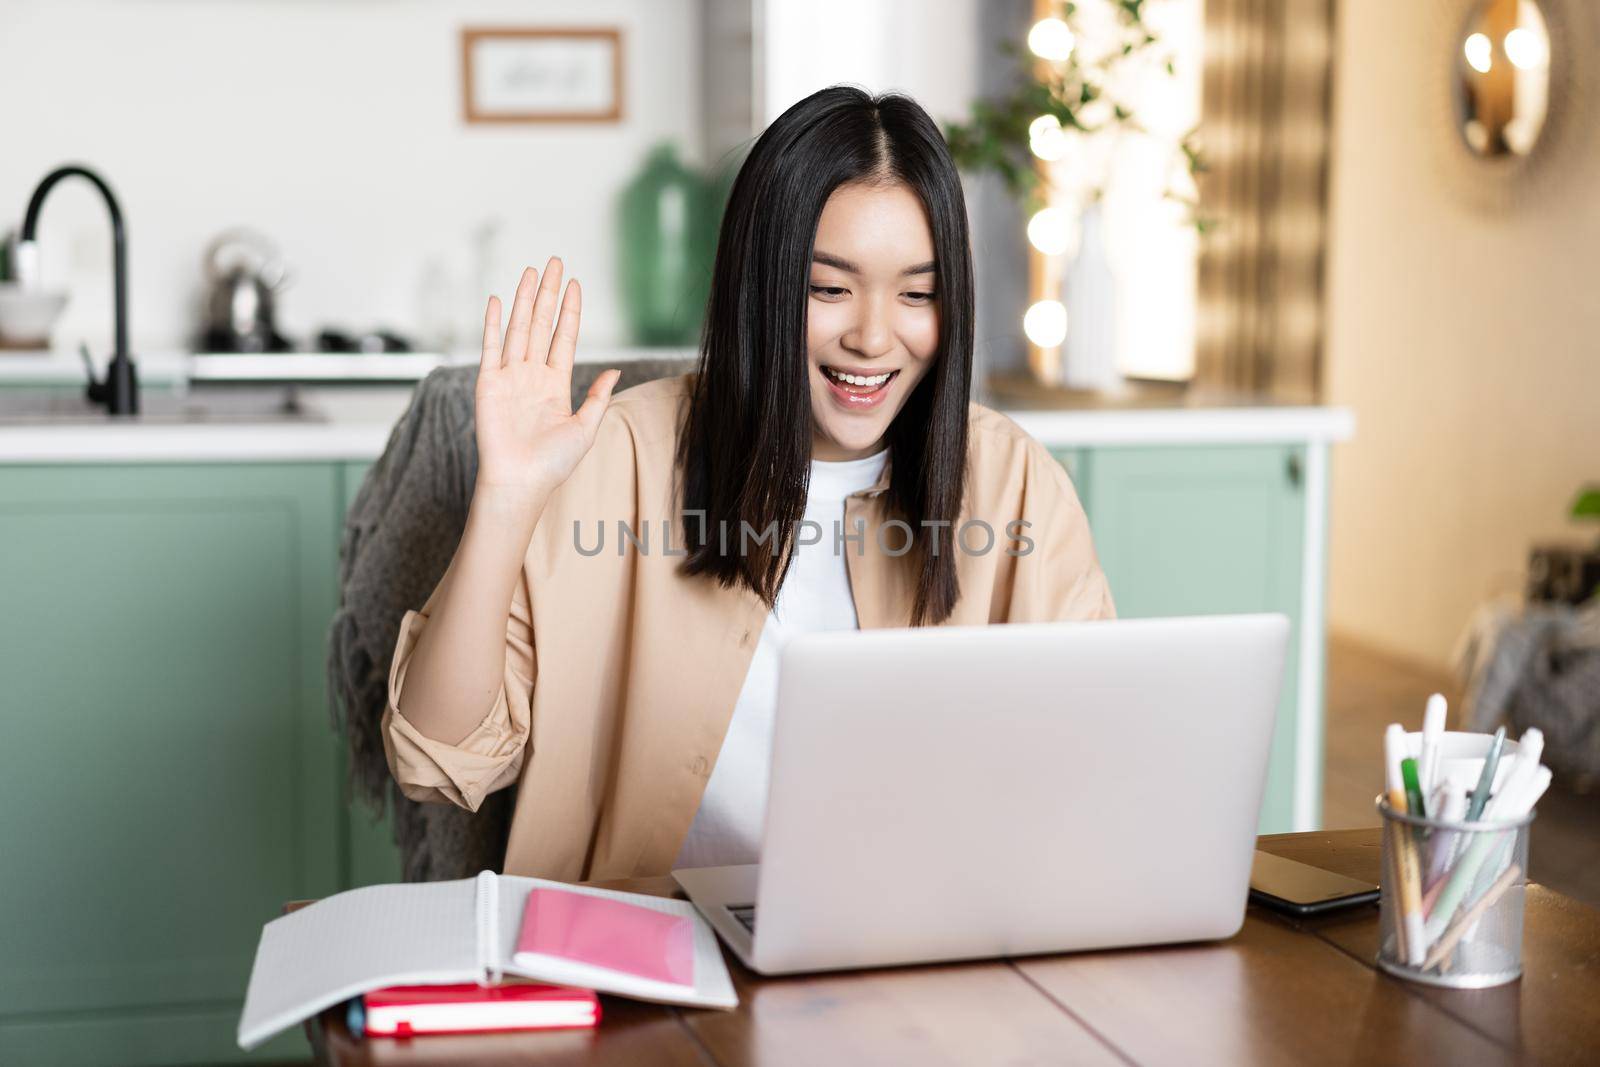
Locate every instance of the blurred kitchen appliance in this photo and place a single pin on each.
(244, 272)
(333, 339)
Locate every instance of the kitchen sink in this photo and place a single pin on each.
(37, 407)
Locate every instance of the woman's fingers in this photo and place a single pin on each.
(594, 405)
(491, 336)
(544, 311)
(565, 343)
(516, 346)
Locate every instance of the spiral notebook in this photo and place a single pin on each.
(438, 933)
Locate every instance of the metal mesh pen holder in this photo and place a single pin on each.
(1450, 912)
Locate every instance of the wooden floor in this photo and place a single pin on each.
(1367, 690)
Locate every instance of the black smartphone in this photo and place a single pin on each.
(1299, 889)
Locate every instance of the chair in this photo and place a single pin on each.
(398, 537)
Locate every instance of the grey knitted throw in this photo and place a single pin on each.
(1538, 666)
(398, 537)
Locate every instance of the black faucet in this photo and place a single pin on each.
(120, 390)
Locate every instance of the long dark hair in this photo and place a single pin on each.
(746, 448)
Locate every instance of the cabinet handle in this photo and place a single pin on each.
(1292, 469)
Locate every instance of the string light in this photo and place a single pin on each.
(1051, 39)
(1046, 138)
(1050, 231)
(1046, 323)
(1479, 52)
(1524, 48)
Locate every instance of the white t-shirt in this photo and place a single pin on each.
(815, 596)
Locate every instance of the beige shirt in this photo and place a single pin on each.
(621, 673)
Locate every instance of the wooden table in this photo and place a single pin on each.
(1281, 991)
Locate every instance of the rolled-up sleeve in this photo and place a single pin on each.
(488, 758)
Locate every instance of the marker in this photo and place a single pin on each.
(1414, 802)
(1491, 762)
(1394, 750)
(1541, 782)
(1432, 733)
(1412, 927)
(1530, 746)
(1413, 943)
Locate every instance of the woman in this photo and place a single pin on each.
(823, 469)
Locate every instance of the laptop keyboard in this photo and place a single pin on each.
(746, 914)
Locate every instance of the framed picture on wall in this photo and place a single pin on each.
(541, 75)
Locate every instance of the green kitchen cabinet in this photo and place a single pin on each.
(1208, 530)
(1073, 460)
(350, 477)
(372, 857)
(169, 775)
(170, 771)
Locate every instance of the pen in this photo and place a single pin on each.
(1432, 732)
(1430, 899)
(1436, 797)
(1513, 804)
(1461, 879)
(1458, 929)
(1451, 806)
(1491, 761)
(1528, 795)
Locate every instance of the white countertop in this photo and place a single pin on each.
(223, 442)
(360, 436)
(1083, 428)
(66, 368)
(352, 420)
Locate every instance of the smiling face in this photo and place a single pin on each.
(872, 318)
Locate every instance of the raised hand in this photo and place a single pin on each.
(529, 438)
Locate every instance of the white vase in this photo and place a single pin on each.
(1089, 290)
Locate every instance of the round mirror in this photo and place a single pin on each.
(1503, 77)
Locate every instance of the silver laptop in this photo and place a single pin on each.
(965, 792)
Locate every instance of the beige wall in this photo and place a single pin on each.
(1468, 345)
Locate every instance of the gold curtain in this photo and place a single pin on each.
(1264, 131)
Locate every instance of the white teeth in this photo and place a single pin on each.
(857, 379)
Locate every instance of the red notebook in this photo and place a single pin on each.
(405, 1010)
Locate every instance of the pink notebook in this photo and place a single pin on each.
(600, 932)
